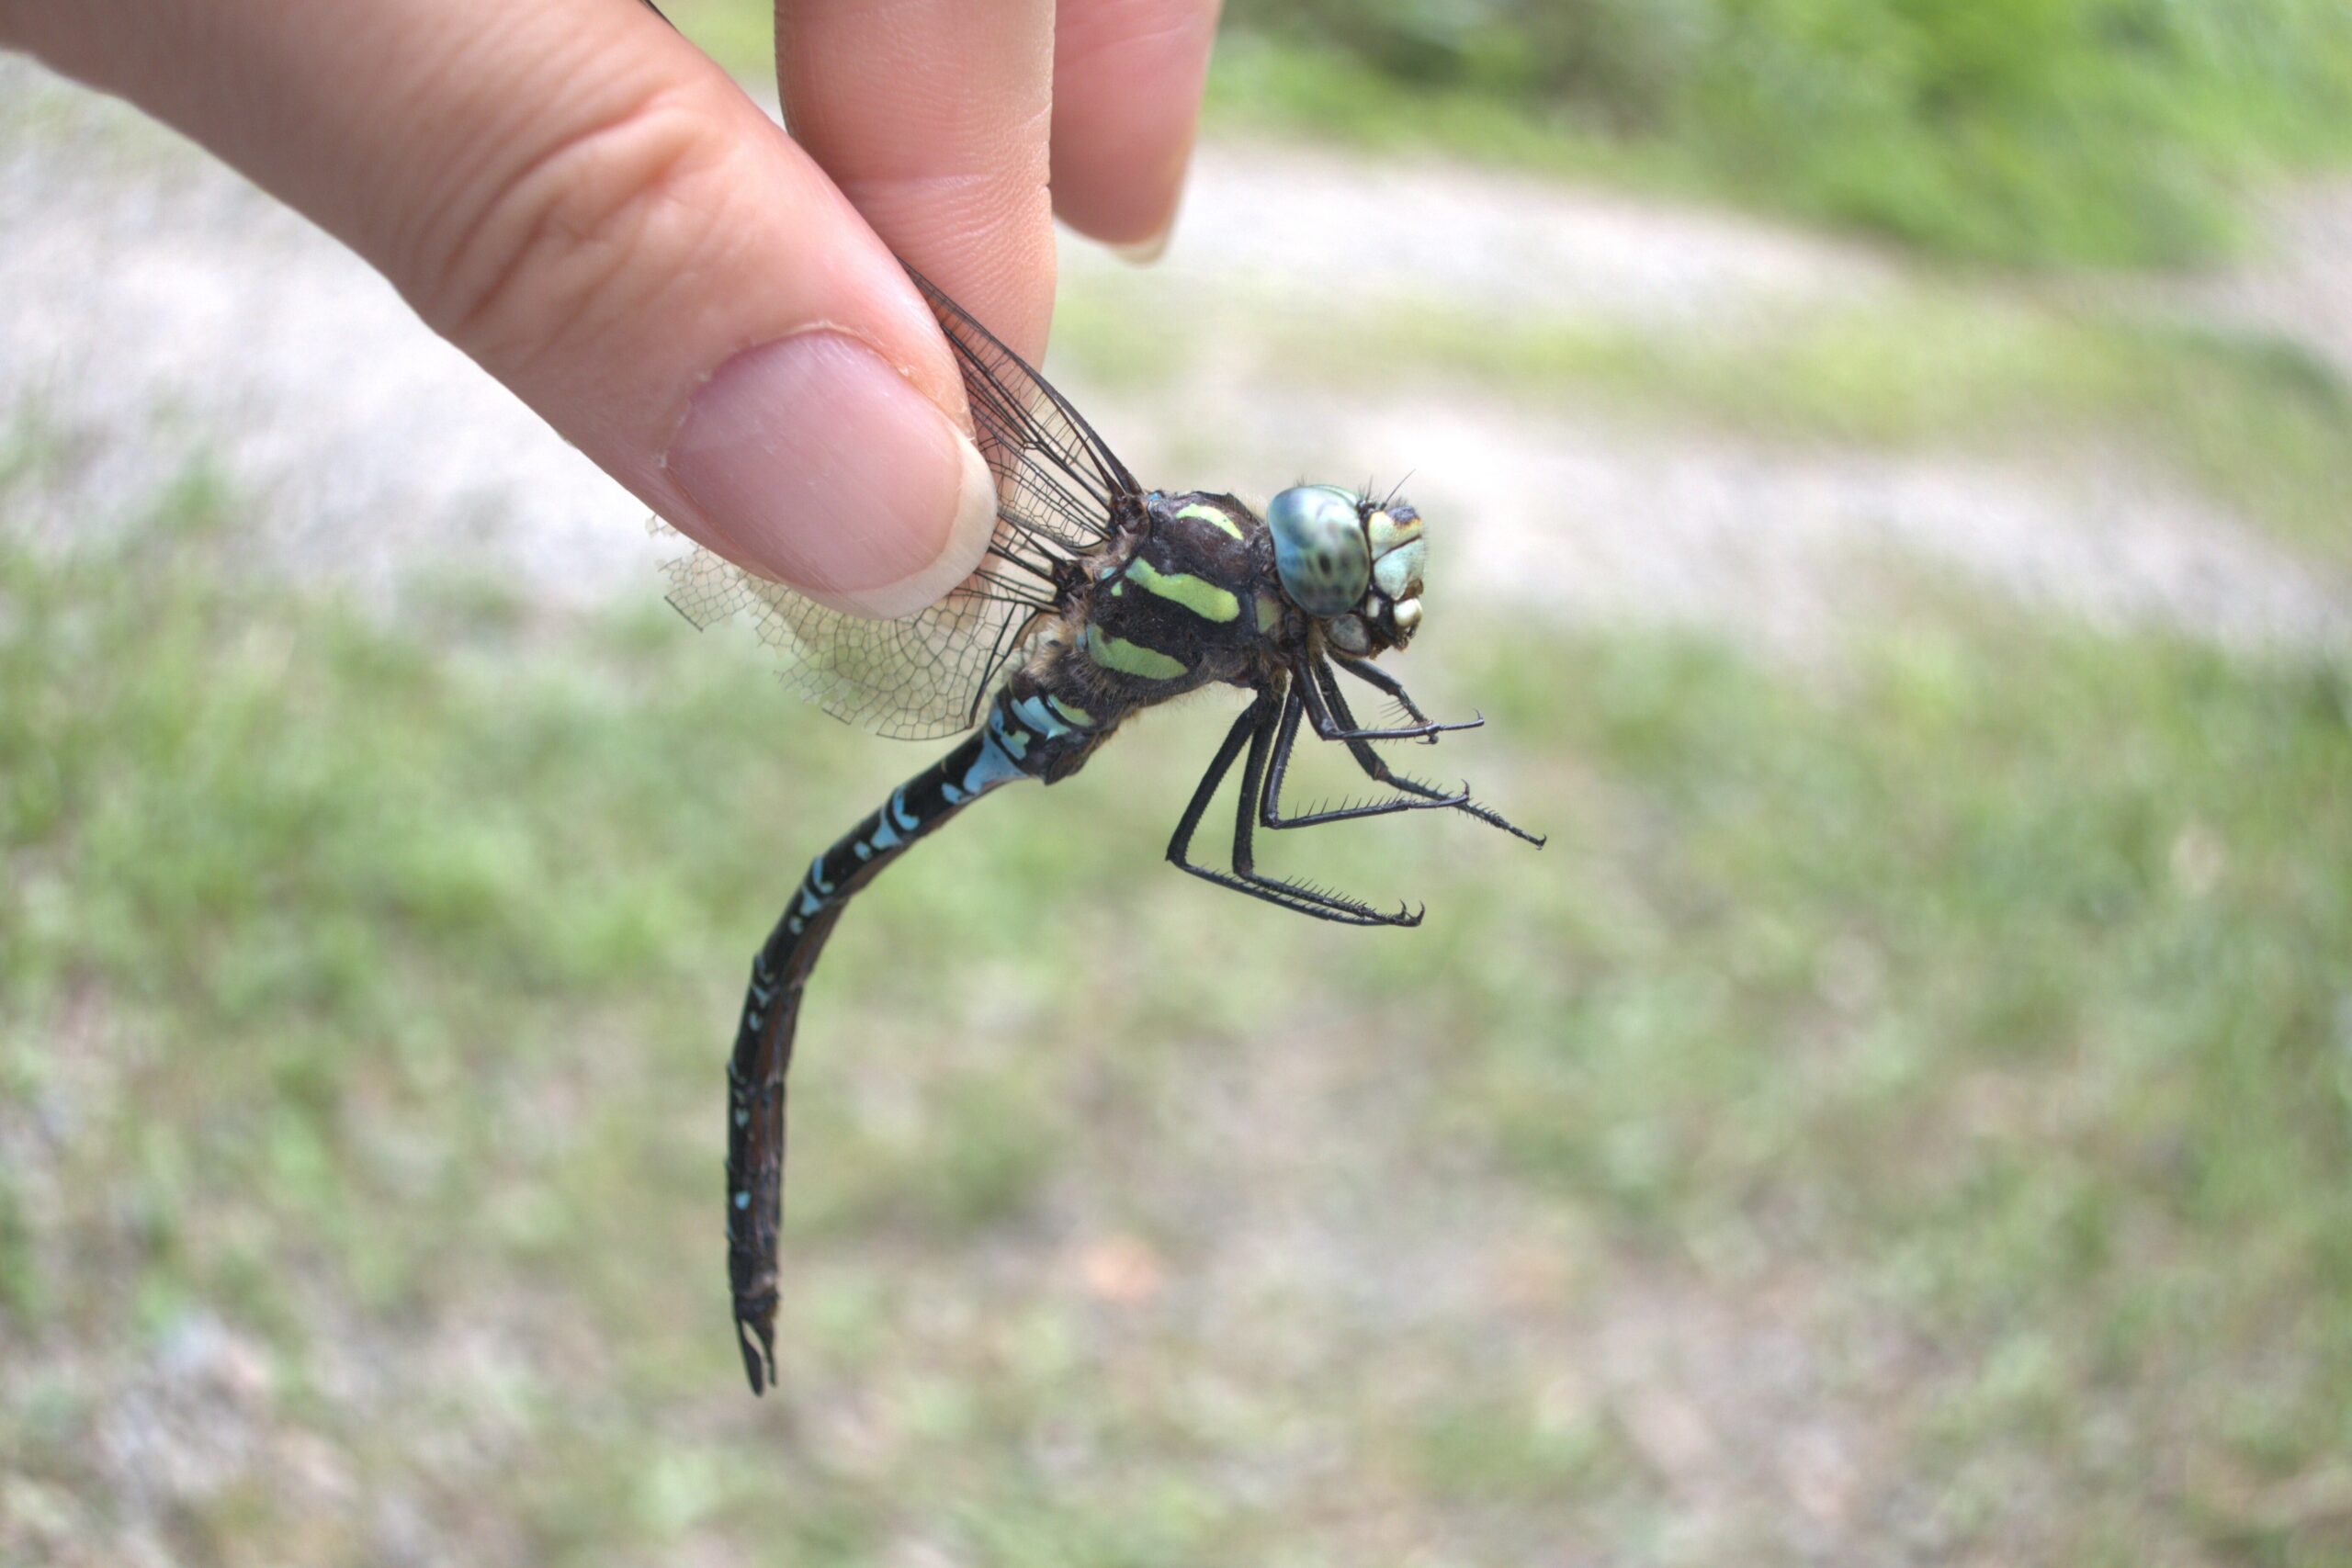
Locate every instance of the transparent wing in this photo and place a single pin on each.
(1060, 490)
(914, 678)
(1061, 485)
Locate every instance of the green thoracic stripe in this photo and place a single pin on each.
(1211, 515)
(1269, 612)
(1130, 659)
(1071, 711)
(1204, 598)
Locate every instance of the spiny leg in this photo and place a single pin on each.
(1373, 765)
(1254, 775)
(1251, 721)
(1329, 728)
(1324, 689)
(1419, 798)
(1380, 680)
(1252, 728)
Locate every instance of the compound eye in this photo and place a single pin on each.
(1320, 548)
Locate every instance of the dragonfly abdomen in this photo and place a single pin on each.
(1027, 735)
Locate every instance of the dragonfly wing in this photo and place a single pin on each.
(917, 678)
(1058, 482)
(1059, 491)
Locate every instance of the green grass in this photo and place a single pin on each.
(738, 34)
(2013, 131)
(1267, 87)
(2019, 131)
(1982, 1009)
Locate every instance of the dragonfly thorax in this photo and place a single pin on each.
(1351, 566)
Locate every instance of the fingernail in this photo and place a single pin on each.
(1151, 247)
(813, 462)
(1142, 253)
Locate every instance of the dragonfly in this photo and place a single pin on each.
(1097, 599)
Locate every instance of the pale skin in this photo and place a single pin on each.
(708, 307)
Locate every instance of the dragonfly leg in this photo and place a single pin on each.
(1255, 730)
(1320, 715)
(1377, 769)
(1418, 796)
(1380, 680)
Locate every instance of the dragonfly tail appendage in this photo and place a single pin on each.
(1013, 743)
(755, 1129)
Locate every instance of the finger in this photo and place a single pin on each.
(932, 115)
(574, 196)
(1127, 79)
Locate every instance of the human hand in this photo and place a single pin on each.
(709, 309)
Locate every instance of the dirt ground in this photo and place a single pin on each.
(146, 288)
(154, 307)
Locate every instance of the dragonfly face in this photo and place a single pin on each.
(1352, 566)
(1097, 599)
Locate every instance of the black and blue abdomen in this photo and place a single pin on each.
(1026, 734)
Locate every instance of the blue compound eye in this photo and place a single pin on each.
(1320, 548)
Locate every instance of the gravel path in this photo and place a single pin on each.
(144, 291)
(153, 308)
(1322, 228)
(153, 305)
(2300, 286)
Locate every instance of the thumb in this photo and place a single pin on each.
(582, 201)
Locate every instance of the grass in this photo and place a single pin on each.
(2257, 424)
(1954, 1050)
(738, 34)
(2016, 132)
(2034, 133)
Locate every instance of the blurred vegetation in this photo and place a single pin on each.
(1955, 1039)
(2022, 130)
(2109, 132)
(363, 991)
(2260, 426)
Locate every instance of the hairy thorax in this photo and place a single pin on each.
(1185, 597)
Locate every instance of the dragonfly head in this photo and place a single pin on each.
(1352, 566)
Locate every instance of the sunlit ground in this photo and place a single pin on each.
(1955, 1047)
(1902, 1116)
